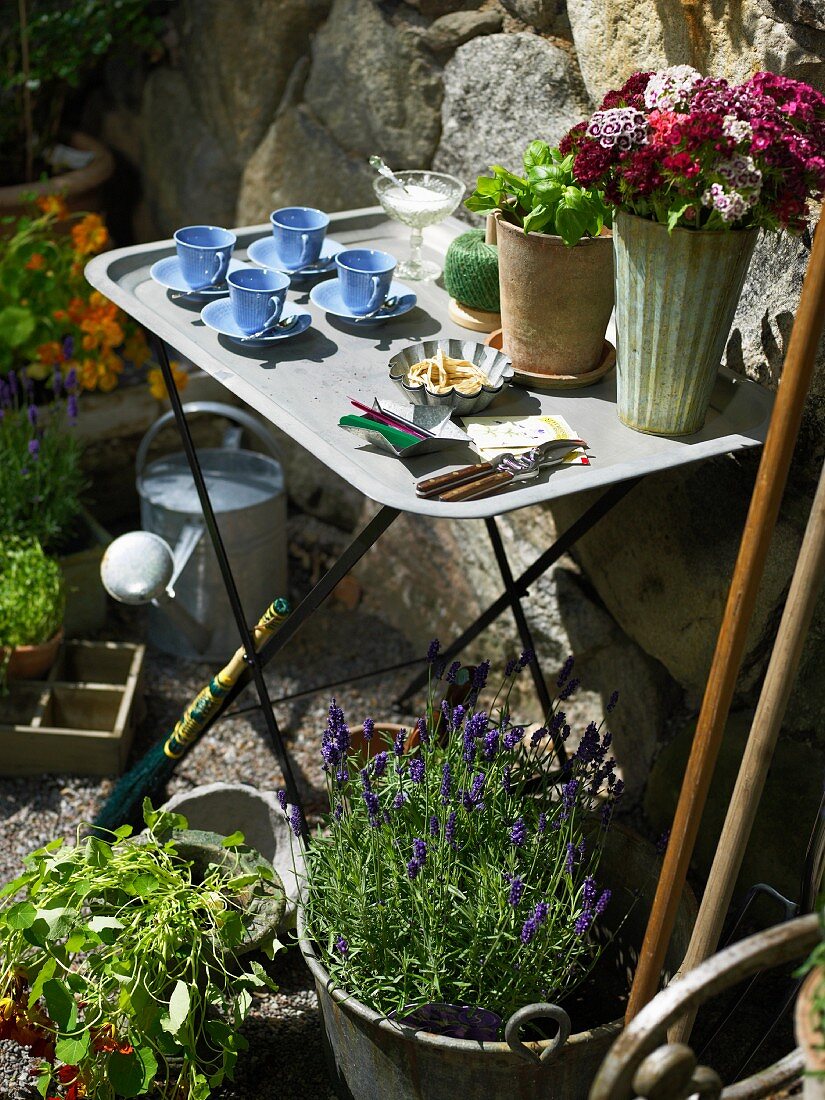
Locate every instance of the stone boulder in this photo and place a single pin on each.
(237, 58)
(373, 86)
(613, 40)
(299, 162)
(541, 14)
(188, 177)
(453, 30)
(662, 561)
(500, 92)
(787, 811)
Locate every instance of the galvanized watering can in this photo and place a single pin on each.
(190, 615)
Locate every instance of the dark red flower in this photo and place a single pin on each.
(573, 138)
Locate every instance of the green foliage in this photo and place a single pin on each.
(66, 38)
(129, 965)
(40, 458)
(478, 889)
(546, 199)
(31, 593)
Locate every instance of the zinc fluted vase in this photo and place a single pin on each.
(676, 295)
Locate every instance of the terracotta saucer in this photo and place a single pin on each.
(537, 381)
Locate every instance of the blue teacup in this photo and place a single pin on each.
(203, 253)
(364, 275)
(299, 233)
(257, 297)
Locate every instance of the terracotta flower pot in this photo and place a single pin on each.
(32, 662)
(80, 187)
(809, 1035)
(555, 301)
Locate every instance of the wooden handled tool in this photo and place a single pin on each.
(750, 563)
(479, 487)
(441, 486)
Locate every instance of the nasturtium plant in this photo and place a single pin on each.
(546, 199)
(122, 971)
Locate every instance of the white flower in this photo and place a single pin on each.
(741, 173)
(622, 126)
(736, 128)
(671, 88)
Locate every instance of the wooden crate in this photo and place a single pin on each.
(81, 719)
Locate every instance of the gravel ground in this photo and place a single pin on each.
(286, 1056)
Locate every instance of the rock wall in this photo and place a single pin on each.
(268, 102)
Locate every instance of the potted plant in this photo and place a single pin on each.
(453, 897)
(47, 46)
(31, 609)
(809, 1024)
(694, 167)
(128, 959)
(555, 265)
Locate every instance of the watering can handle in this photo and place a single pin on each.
(215, 408)
(536, 1012)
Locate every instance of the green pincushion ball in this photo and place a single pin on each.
(471, 272)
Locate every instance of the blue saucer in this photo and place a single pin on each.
(264, 253)
(218, 317)
(167, 273)
(327, 295)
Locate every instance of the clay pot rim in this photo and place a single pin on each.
(804, 1026)
(73, 182)
(605, 237)
(55, 640)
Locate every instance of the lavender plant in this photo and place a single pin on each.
(40, 459)
(442, 876)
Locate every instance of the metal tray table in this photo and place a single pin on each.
(303, 386)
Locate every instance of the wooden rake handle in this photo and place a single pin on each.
(750, 563)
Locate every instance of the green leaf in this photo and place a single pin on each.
(537, 152)
(179, 1004)
(21, 915)
(481, 204)
(488, 185)
(538, 218)
(44, 1079)
(46, 971)
(16, 325)
(59, 921)
(571, 223)
(237, 838)
(105, 927)
(132, 1074)
(61, 1004)
(72, 1050)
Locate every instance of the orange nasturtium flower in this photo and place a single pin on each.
(157, 387)
(36, 262)
(90, 235)
(53, 204)
(50, 354)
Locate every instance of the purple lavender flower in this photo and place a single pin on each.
(449, 829)
(589, 890)
(337, 729)
(513, 738)
(434, 829)
(68, 347)
(525, 658)
(534, 921)
(432, 650)
(379, 764)
(568, 689)
(570, 859)
(71, 408)
(516, 890)
(34, 448)
(419, 848)
(71, 379)
(537, 736)
(477, 787)
(542, 826)
(338, 812)
(490, 744)
(281, 796)
(589, 746)
(457, 717)
(446, 780)
(342, 776)
(422, 731)
(296, 820)
(371, 802)
(413, 867)
(452, 672)
(518, 833)
(564, 675)
(369, 729)
(399, 800)
(568, 798)
(480, 674)
(506, 781)
(11, 378)
(33, 415)
(365, 779)
(330, 753)
(417, 770)
(398, 743)
(614, 698)
(510, 668)
(603, 901)
(342, 947)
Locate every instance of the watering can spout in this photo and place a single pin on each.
(141, 567)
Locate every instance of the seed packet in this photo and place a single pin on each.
(493, 435)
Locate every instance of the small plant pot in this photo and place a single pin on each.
(81, 188)
(32, 662)
(808, 1025)
(555, 301)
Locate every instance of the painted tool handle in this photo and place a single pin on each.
(481, 488)
(432, 486)
(193, 720)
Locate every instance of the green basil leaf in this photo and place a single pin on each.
(537, 152)
(571, 224)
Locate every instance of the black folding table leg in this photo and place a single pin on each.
(252, 658)
(563, 543)
(524, 632)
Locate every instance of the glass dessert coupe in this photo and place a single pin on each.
(430, 197)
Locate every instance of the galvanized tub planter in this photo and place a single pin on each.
(676, 295)
(373, 1058)
(555, 301)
